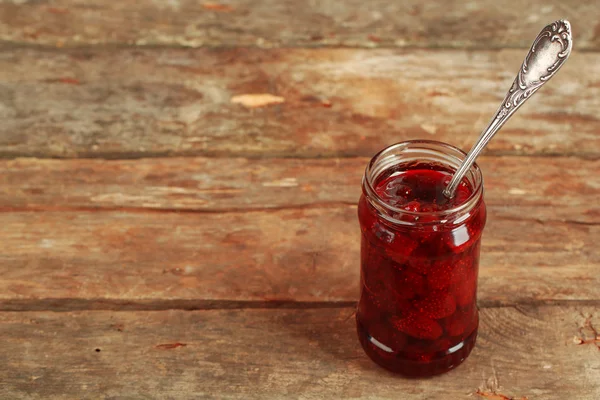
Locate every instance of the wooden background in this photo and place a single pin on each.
(167, 233)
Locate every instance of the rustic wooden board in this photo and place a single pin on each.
(121, 103)
(543, 188)
(268, 23)
(82, 259)
(265, 249)
(524, 352)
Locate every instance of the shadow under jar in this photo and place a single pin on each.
(417, 313)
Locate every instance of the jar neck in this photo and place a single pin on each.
(408, 154)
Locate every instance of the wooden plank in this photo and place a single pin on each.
(122, 103)
(289, 23)
(543, 188)
(304, 254)
(529, 352)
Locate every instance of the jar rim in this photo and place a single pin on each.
(448, 153)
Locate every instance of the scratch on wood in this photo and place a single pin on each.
(498, 396)
(257, 100)
(217, 7)
(168, 346)
(588, 326)
(285, 182)
(350, 316)
(65, 80)
(493, 383)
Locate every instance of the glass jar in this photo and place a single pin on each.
(417, 313)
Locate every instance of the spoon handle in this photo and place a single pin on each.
(548, 53)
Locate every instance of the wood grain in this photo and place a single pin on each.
(542, 188)
(289, 23)
(132, 103)
(527, 352)
(250, 123)
(54, 260)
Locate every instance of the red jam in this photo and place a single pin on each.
(417, 312)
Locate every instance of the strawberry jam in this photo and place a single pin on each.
(417, 313)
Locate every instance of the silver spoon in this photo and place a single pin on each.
(548, 53)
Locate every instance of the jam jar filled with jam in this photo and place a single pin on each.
(417, 314)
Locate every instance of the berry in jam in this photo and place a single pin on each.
(420, 190)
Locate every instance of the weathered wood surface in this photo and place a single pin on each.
(288, 23)
(543, 188)
(79, 259)
(120, 103)
(244, 223)
(525, 352)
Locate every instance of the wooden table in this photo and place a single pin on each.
(178, 186)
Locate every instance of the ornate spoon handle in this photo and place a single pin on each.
(548, 53)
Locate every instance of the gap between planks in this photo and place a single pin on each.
(72, 304)
(311, 206)
(124, 156)
(16, 45)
